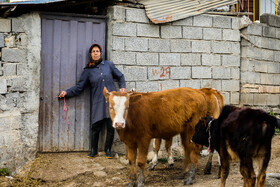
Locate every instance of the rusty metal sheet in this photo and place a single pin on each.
(163, 11)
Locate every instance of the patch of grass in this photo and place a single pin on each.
(277, 131)
(4, 172)
(163, 160)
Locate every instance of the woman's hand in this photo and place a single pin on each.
(62, 94)
(123, 90)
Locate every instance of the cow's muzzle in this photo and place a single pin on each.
(119, 125)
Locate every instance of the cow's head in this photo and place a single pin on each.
(118, 107)
(201, 134)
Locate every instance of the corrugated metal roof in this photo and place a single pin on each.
(4, 2)
(162, 11)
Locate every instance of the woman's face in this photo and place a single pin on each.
(95, 53)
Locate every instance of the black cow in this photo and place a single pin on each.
(243, 134)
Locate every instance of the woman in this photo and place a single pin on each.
(98, 73)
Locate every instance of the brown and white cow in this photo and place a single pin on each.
(215, 103)
(240, 134)
(140, 117)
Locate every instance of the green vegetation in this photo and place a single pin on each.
(277, 131)
(4, 172)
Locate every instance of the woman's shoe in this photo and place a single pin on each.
(93, 153)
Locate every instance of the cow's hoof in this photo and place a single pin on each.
(170, 166)
(188, 181)
(131, 184)
(152, 166)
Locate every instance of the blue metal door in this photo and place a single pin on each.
(65, 43)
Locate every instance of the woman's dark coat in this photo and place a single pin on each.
(100, 76)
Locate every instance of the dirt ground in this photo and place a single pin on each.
(75, 169)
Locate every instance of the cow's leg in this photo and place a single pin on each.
(156, 147)
(168, 144)
(131, 154)
(207, 169)
(224, 166)
(262, 170)
(247, 171)
(143, 148)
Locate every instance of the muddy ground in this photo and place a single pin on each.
(75, 169)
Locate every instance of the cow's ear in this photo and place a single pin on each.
(106, 93)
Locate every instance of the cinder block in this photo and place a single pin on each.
(147, 30)
(276, 79)
(117, 43)
(222, 22)
(273, 100)
(190, 83)
(136, 15)
(180, 72)
(260, 99)
(169, 59)
(117, 13)
(210, 83)
(3, 86)
(5, 25)
(211, 60)
(13, 55)
(234, 98)
(159, 45)
(21, 69)
(159, 73)
(124, 29)
(276, 55)
(231, 61)
(19, 84)
(270, 19)
(184, 22)
(133, 73)
(235, 73)
(212, 34)
(168, 84)
(120, 57)
(147, 86)
(201, 72)
(136, 44)
(278, 33)
(267, 78)
(253, 29)
(246, 99)
(231, 35)
(190, 59)
(226, 97)
(10, 69)
(250, 77)
(261, 66)
(192, 32)
(222, 47)
(269, 31)
(230, 85)
(201, 46)
(1, 40)
(221, 73)
(180, 45)
(10, 41)
(235, 23)
(168, 31)
(147, 59)
(202, 21)
(17, 25)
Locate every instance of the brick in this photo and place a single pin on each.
(246, 99)
(136, 44)
(168, 31)
(260, 99)
(201, 72)
(231, 35)
(222, 22)
(216, 84)
(124, 29)
(202, 21)
(3, 86)
(190, 59)
(1, 40)
(212, 34)
(221, 73)
(17, 25)
(231, 60)
(147, 59)
(5, 25)
(10, 69)
(190, 83)
(136, 15)
(269, 31)
(192, 32)
(120, 57)
(117, 13)
(180, 45)
(201, 46)
(184, 22)
(149, 86)
(13, 55)
(147, 30)
(159, 45)
(117, 43)
(134, 73)
(180, 72)
(222, 47)
(158, 73)
(169, 59)
(230, 85)
(234, 98)
(211, 60)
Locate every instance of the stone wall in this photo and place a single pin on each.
(200, 51)
(20, 46)
(260, 64)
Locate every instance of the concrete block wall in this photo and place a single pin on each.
(20, 45)
(260, 64)
(200, 51)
